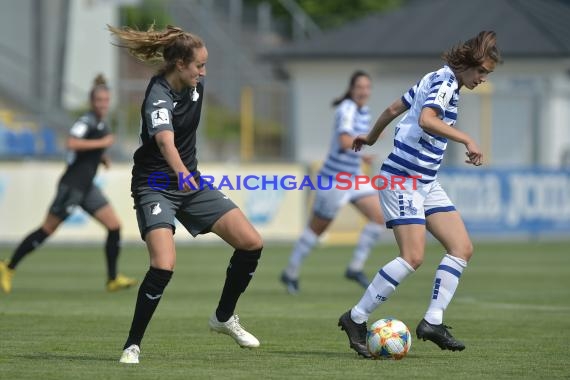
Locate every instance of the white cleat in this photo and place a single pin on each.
(232, 328)
(130, 355)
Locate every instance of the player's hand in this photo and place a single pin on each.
(185, 187)
(359, 141)
(474, 154)
(106, 161)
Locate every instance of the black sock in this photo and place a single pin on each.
(31, 242)
(112, 247)
(238, 275)
(148, 297)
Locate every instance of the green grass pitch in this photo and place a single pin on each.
(512, 310)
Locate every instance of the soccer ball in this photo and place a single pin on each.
(388, 338)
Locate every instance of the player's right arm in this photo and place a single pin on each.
(393, 111)
(165, 141)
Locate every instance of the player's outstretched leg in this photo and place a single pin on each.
(356, 334)
(440, 335)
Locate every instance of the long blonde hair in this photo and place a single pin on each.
(169, 45)
(473, 52)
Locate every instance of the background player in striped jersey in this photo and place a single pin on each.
(351, 118)
(419, 144)
(87, 141)
(170, 116)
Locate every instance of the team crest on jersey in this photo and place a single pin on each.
(453, 101)
(160, 117)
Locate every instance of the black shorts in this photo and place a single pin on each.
(68, 198)
(197, 210)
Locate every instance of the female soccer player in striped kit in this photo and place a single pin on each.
(87, 141)
(170, 115)
(352, 118)
(419, 144)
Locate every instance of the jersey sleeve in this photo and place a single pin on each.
(158, 113)
(345, 114)
(440, 93)
(408, 97)
(80, 128)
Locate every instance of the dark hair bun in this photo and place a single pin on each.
(99, 81)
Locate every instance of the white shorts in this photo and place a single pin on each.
(328, 202)
(409, 206)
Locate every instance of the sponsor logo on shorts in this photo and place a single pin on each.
(155, 209)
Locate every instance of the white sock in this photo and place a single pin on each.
(445, 283)
(368, 238)
(302, 248)
(381, 287)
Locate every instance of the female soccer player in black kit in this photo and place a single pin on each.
(170, 115)
(87, 141)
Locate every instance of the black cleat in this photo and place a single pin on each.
(359, 277)
(356, 334)
(291, 284)
(439, 335)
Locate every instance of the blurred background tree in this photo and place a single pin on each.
(332, 13)
(145, 14)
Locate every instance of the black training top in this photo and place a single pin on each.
(165, 109)
(82, 165)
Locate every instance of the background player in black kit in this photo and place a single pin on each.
(87, 141)
(170, 115)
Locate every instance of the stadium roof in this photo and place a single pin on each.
(525, 28)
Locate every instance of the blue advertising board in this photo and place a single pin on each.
(517, 201)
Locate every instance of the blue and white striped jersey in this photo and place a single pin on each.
(350, 119)
(417, 152)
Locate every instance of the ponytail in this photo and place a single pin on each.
(353, 78)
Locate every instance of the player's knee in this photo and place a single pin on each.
(467, 251)
(114, 226)
(415, 262)
(49, 230)
(163, 265)
(253, 242)
(463, 251)
(414, 259)
(254, 245)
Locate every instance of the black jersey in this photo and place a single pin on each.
(165, 109)
(82, 165)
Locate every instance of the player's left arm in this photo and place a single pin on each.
(430, 122)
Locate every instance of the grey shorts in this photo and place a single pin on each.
(197, 211)
(68, 198)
